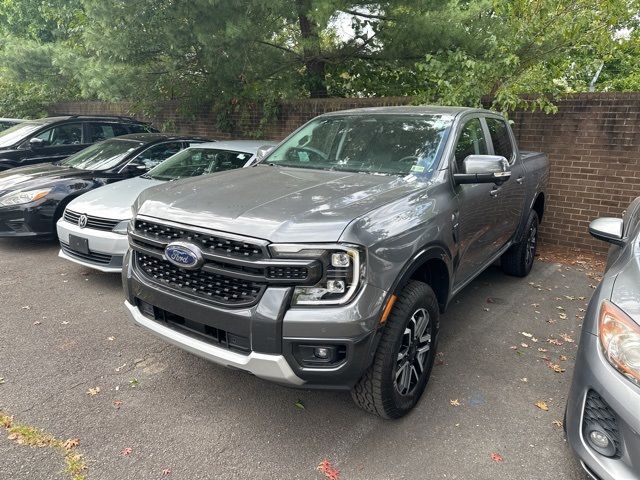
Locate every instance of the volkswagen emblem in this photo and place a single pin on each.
(82, 221)
(184, 255)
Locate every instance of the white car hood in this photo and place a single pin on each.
(112, 201)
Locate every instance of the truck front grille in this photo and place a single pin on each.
(207, 242)
(217, 288)
(96, 223)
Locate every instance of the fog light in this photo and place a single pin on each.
(336, 286)
(599, 439)
(321, 352)
(340, 260)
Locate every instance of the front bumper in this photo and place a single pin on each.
(106, 249)
(593, 373)
(28, 220)
(272, 331)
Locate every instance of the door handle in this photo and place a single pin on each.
(494, 192)
(520, 180)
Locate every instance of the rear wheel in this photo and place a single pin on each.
(394, 382)
(518, 260)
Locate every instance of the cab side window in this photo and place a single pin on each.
(500, 137)
(470, 142)
(68, 134)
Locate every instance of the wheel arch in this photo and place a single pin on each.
(432, 266)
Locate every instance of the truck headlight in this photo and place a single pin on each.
(620, 340)
(342, 272)
(18, 198)
(121, 227)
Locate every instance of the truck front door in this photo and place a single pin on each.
(478, 212)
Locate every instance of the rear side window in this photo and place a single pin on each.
(500, 137)
(104, 131)
(140, 128)
(470, 142)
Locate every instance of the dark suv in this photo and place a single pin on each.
(55, 138)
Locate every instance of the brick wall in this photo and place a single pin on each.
(593, 143)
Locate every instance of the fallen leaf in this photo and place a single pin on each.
(557, 423)
(540, 349)
(554, 341)
(542, 405)
(566, 338)
(563, 357)
(133, 383)
(117, 403)
(71, 443)
(556, 368)
(1, 380)
(563, 316)
(93, 391)
(455, 402)
(528, 335)
(299, 405)
(126, 452)
(524, 379)
(496, 457)
(524, 345)
(328, 470)
(166, 472)
(37, 322)
(513, 347)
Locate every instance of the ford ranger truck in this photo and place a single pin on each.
(328, 263)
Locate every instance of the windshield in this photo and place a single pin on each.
(382, 144)
(103, 155)
(198, 161)
(19, 132)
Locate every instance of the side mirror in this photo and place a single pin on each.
(36, 142)
(608, 229)
(263, 151)
(483, 169)
(134, 169)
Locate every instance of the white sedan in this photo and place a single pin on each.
(93, 229)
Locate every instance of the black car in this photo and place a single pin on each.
(9, 122)
(54, 138)
(33, 198)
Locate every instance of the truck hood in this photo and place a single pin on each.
(275, 203)
(114, 200)
(36, 176)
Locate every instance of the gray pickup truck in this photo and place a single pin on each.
(328, 263)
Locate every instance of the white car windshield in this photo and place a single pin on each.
(196, 161)
(379, 144)
(102, 156)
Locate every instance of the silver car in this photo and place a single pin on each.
(89, 218)
(603, 410)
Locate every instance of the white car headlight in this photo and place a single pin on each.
(620, 340)
(121, 227)
(342, 271)
(18, 198)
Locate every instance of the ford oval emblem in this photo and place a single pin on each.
(184, 255)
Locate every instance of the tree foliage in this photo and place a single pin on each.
(224, 52)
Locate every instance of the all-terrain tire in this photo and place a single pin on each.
(518, 260)
(376, 391)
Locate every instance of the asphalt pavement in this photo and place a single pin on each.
(163, 413)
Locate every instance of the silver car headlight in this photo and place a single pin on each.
(121, 227)
(19, 198)
(343, 270)
(620, 340)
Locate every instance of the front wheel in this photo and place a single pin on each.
(518, 260)
(394, 382)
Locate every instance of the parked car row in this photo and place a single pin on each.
(325, 262)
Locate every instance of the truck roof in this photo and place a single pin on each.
(408, 110)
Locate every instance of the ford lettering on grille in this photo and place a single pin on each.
(184, 255)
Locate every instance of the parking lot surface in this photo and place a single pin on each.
(163, 413)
